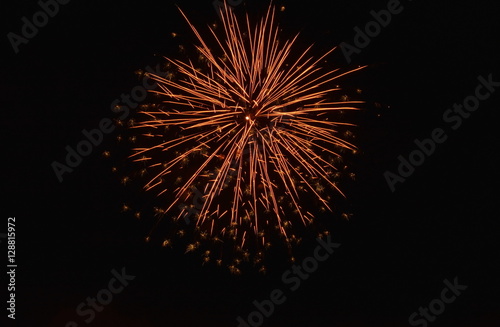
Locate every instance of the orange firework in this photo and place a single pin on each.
(253, 130)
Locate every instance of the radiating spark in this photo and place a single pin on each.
(256, 127)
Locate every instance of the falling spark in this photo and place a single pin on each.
(251, 136)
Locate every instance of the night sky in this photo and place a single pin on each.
(441, 223)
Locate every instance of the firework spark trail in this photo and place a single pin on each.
(257, 115)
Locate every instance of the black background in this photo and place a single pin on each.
(397, 249)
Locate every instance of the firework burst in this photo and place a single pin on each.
(250, 131)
